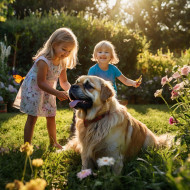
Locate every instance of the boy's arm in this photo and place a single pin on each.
(126, 81)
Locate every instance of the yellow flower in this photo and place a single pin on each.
(27, 148)
(178, 179)
(10, 186)
(35, 184)
(37, 162)
(188, 159)
(15, 185)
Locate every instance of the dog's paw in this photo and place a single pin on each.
(61, 150)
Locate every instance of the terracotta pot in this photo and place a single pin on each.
(3, 107)
(123, 102)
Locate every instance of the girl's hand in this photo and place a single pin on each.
(62, 95)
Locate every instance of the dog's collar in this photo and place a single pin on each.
(88, 122)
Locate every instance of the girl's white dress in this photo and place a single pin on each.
(31, 99)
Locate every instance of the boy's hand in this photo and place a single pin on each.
(138, 82)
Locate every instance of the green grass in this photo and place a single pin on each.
(152, 169)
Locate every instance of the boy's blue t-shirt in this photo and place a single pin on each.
(109, 75)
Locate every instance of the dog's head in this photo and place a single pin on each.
(90, 92)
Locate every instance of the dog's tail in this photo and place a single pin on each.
(165, 140)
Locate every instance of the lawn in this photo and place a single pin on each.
(152, 169)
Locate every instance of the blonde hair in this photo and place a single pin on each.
(61, 35)
(110, 47)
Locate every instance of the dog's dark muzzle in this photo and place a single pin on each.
(78, 99)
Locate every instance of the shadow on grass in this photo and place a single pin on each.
(143, 109)
(12, 165)
(6, 116)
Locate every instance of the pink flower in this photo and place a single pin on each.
(179, 86)
(164, 80)
(172, 121)
(174, 94)
(84, 173)
(185, 70)
(176, 75)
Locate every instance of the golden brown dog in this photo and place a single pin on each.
(103, 126)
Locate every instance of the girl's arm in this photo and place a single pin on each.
(42, 83)
(126, 81)
(65, 85)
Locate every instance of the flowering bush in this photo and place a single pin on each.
(152, 67)
(8, 87)
(179, 86)
(144, 93)
(155, 65)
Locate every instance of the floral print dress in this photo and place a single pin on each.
(31, 99)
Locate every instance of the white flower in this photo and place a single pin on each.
(11, 88)
(2, 85)
(158, 93)
(150, 82)
(1, 99)
(8, 51)
(105, 161)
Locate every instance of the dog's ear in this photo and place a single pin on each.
(106, 92)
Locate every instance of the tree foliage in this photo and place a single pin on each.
(4, 10)
(165, 23)
(34, 30)
(24, 8)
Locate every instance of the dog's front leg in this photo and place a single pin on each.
(118, 166)
(87, 162)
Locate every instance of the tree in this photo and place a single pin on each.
(23, 8)
(4, 10)
(165, 23)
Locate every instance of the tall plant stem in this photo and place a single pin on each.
(24, 171)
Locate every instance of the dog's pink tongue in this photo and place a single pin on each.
(73, 103)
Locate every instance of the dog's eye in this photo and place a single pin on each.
(87, 85)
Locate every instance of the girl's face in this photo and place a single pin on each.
(62, 50)
(103, 55)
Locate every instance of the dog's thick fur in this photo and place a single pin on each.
(106, 128)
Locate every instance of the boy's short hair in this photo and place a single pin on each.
(110, 46)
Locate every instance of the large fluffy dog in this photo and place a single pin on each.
(103, 126)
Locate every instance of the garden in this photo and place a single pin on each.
(160, 53)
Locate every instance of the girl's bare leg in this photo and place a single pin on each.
(51, 126)
(29, 128)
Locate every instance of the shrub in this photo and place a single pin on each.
(179, 86)
(7, 85)
(153, 67)
(34, 30)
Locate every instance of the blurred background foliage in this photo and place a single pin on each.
(150, 36)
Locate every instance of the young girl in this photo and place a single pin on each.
(104, 54)
(37, 95)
